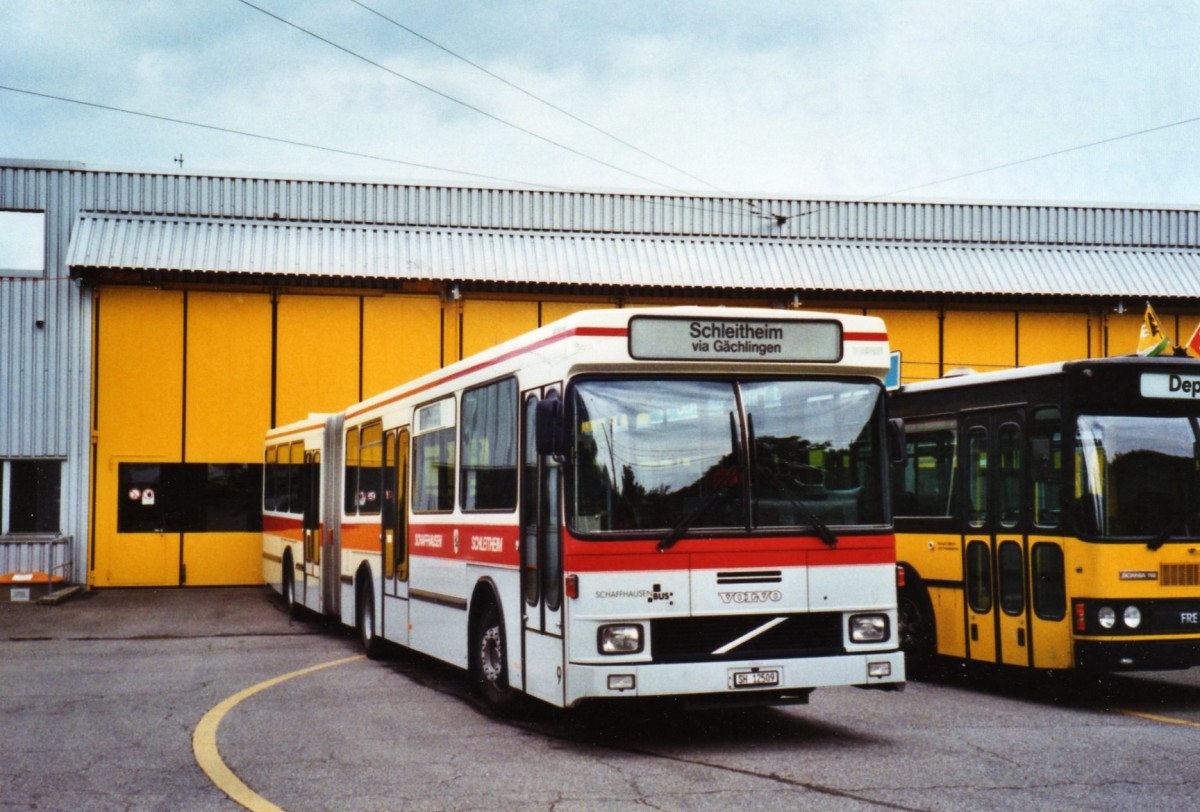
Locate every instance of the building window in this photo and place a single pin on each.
(31, 491)
(189, 497)
(22, 243)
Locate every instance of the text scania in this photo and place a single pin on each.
(736, 337)
(1189, 386)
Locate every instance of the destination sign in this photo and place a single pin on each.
(1170, 385)
(657, 338)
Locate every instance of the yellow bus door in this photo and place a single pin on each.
(981, 622)
(1010, 577)
(994, 564)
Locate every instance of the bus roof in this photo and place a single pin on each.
(971, 378)
(867, 333)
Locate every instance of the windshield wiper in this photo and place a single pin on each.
(676, 533)
(1179, 520)
(789, 493)
(822, 530)
(732, 483)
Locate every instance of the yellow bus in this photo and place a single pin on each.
(1049, 517)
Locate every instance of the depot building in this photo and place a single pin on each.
(154, 325)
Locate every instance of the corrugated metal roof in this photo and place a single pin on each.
(364, 203)
(339, 251)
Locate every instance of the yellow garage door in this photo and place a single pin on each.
(183, 383)
(139, 435)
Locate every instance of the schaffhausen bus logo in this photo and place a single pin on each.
(752, 596)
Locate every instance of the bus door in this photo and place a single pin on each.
(325, 595)
(309, 587)
(994, 553)
(541, 561)
(394, 536)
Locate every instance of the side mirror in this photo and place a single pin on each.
(896, 442)
(549, 428)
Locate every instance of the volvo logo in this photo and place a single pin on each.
(752, 596)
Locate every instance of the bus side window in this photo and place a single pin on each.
(1012, 581)
(924, 484)
(350, 482)
(295, 478)
(489, 447)
(530, 579)
(1049, 586)
(394, 504)
(433, 460)
(1045, 441)
(1010, 469)
(370, 463)
(274, 485)
(977, 477)
(979, 576)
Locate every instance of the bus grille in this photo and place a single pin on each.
(696, 639)
(1179, 575)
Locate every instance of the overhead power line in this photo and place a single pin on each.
(457, 101)
(1044, 155)
(275, 139)
(536, 97)
(1008, 165)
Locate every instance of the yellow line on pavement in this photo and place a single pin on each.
(1170, 720)
(204, 741)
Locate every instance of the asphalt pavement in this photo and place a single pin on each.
(115, 614)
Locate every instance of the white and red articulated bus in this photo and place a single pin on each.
(682, 502)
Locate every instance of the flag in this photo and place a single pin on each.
(1194, 342)
(1152, 341)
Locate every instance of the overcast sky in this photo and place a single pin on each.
(793, 99)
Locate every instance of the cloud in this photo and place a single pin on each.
(850, 99)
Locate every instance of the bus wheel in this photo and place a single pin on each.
(917, 636)
(289, 588)
(372, 643)
(489, 661)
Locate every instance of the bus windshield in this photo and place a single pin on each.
(650, 455)
(1138, 476)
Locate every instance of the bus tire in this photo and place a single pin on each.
(918, 635)
(371, 642)
(288, 587)
(489, 661)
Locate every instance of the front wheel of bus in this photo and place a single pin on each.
(917, 635)
(490, 661)
(372, 643)
(289, 588)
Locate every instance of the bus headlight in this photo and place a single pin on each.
(625, 638)
(868, 628)
(1133, 617)
(1106, 617)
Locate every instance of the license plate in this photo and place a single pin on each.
(762, 678)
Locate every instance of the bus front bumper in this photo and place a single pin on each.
(766, 682)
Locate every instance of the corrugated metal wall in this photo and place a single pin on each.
(45, 369)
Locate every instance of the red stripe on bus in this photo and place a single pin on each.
(732, 559)
(865, 336)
